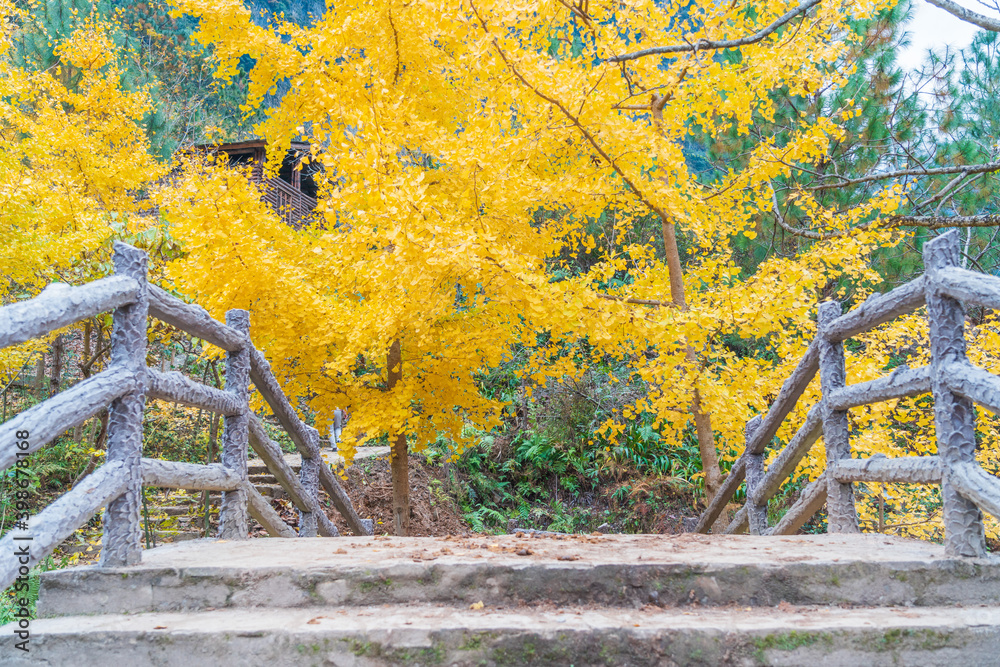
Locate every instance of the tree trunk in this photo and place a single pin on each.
(702, 419)
(40, 377)
(57, 361)
(400, 465)
(78, 431)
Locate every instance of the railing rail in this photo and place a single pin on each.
(955, 383)
(123, 388)
(60, 305)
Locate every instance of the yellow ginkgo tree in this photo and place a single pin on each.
(73, 162)
(466, 144)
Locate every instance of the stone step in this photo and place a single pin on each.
(294, 461)
(182, 535)
(192, 498)
(174, 510)
(622, 571)
(275, 491)
(421, 634)
(187, 504)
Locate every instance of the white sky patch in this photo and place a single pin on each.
(933, 29)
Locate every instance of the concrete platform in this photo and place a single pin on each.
(549, 635)
(623, 571)
(683, 600)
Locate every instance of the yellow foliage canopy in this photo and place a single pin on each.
(466, 145)
(71, 163)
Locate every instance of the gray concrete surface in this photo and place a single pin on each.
(517, 600)
(548, 635)
(610, 570)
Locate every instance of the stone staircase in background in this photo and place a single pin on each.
(176, 516)
(268, 485)
(681, 600)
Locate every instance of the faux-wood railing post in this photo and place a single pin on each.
(841, 514)
(756, 514)
(233, 523)
(122, 543)
(954, 415)
(309, 476)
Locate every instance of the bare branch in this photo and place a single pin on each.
(925, 221)
(706, 44)
(937, 171)
(967, 15)
(395, 37)
(942, 222)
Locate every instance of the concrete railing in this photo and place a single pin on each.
(954, 382)
(123, 388)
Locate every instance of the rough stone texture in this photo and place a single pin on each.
(974, 383)
(272, 456)
(789, 395)
(841, 515)
(67, 409)
(267, 385)
(621, 571)
(195, 320)
(581, 636)
(810, 501)
(785, 463)
(902, 382)
(309, 476)
(343, 504)
(739, 524)
(977, 485)
(277, 464)
(954, 416)
(877, 309)
(236, 433)
(969, 286)
(121, 543)
(55, 523)
(60, 305)
(260, 509)
(191, 476)
(955, 383)
(756, 513)
(878, 468)
(308, 446)
(729, 487)
(175, 387)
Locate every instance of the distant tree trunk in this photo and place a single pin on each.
(88, 329)
(78, 431)
(40, 377)
(57, 361)
(702, 419)
(102, 431)
(400, 465)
